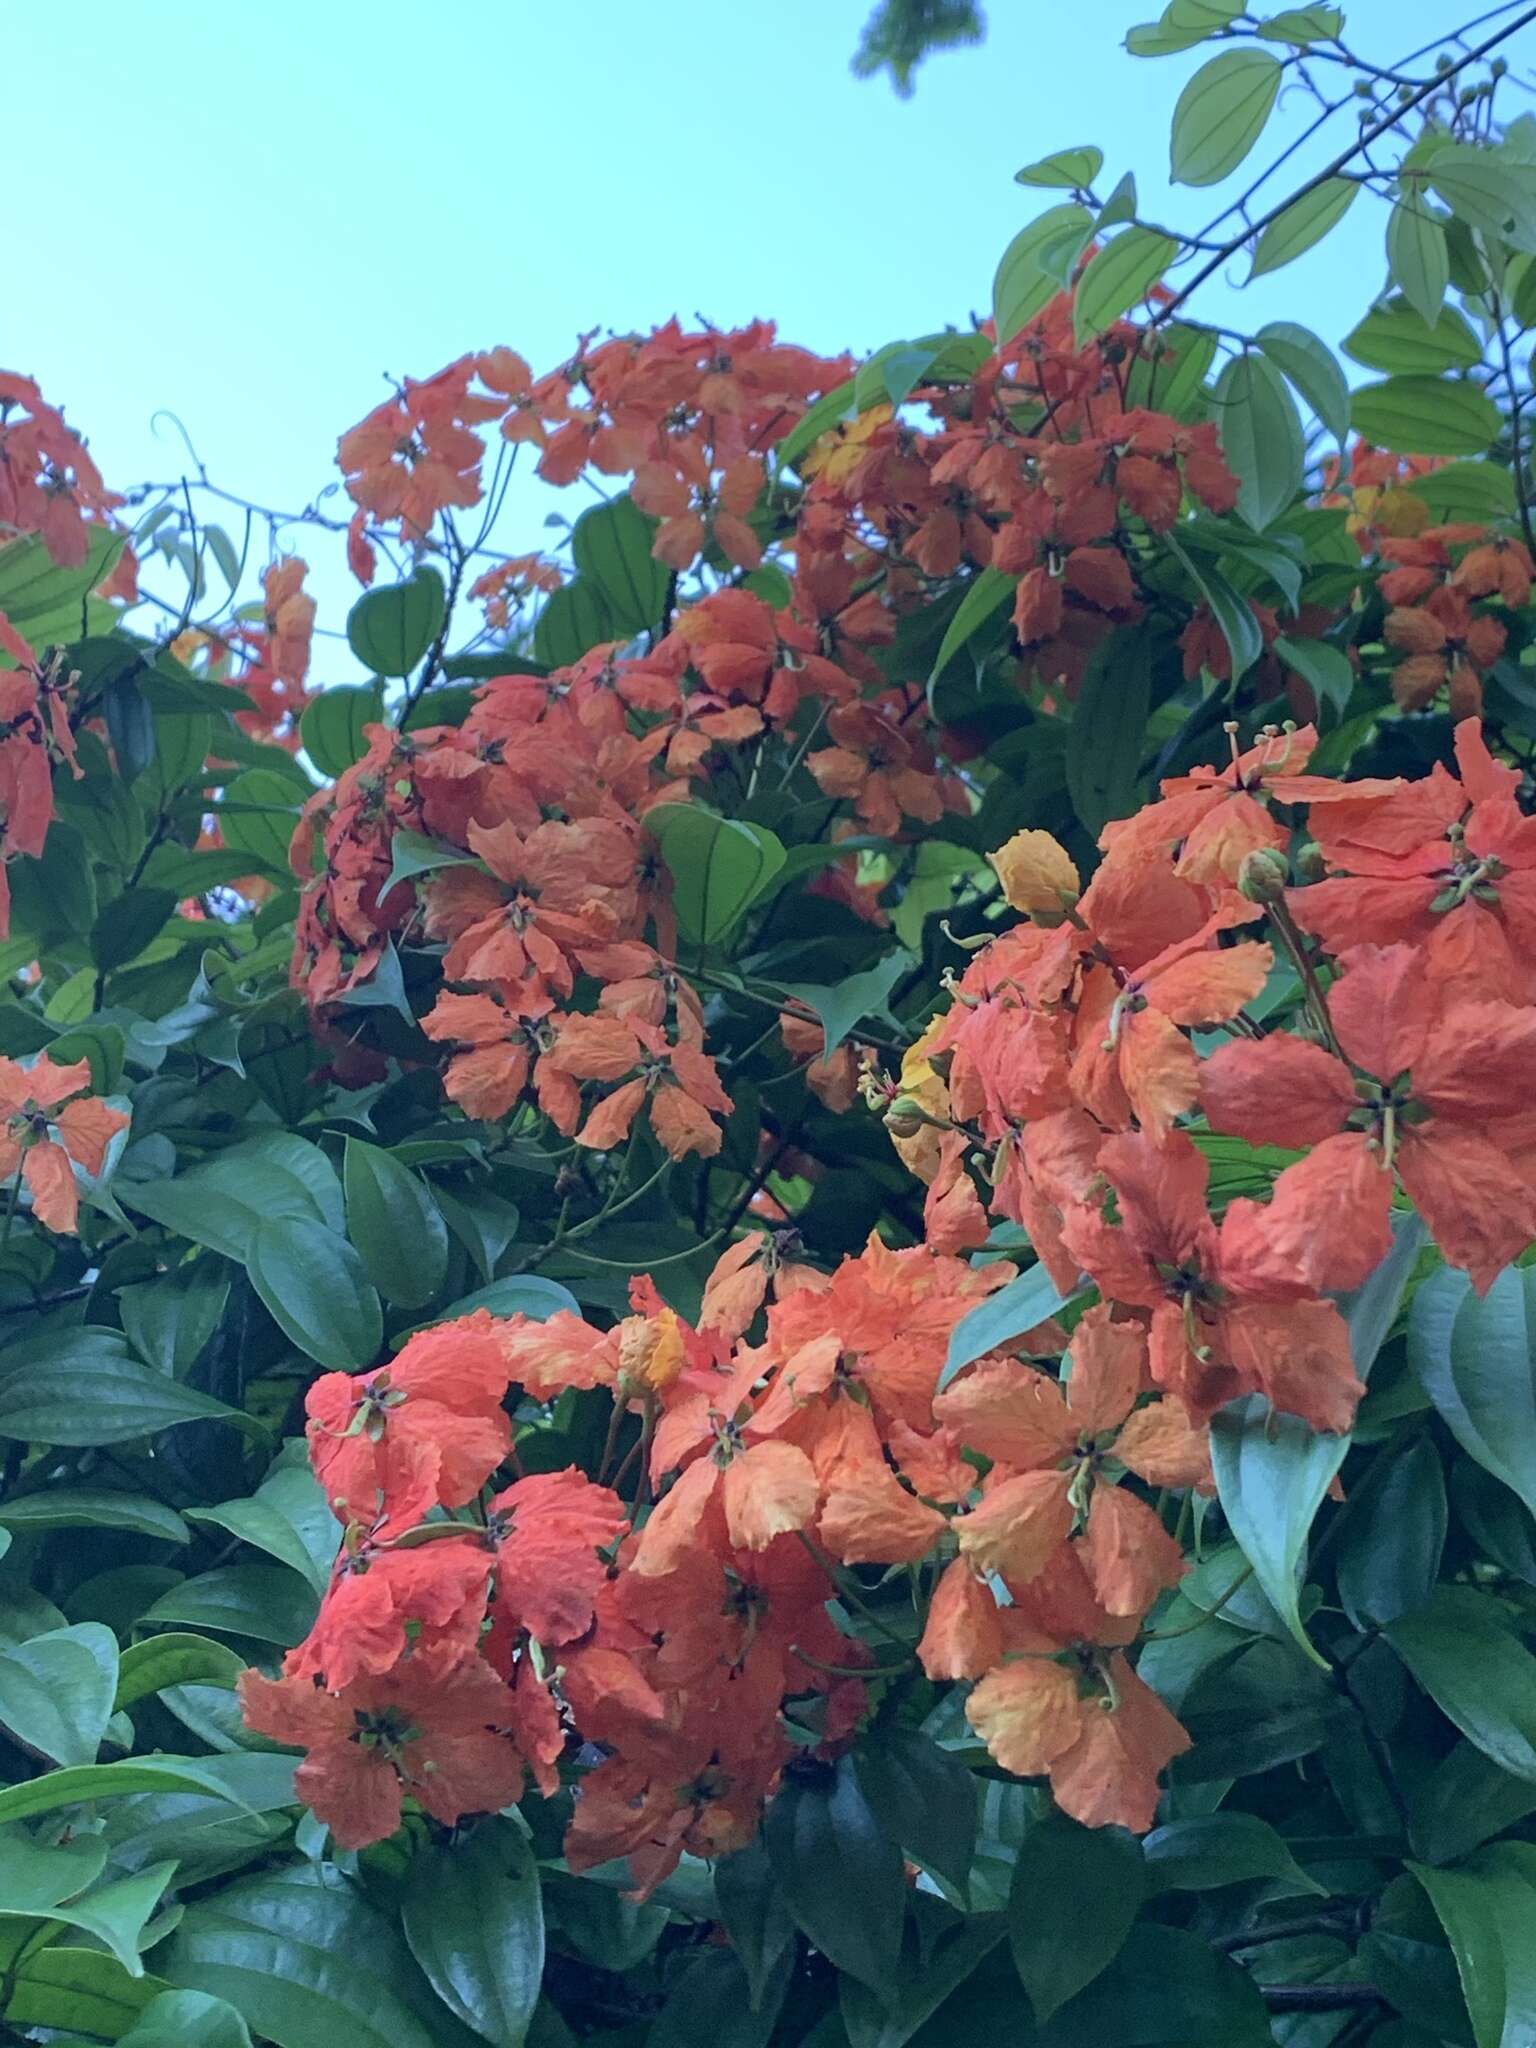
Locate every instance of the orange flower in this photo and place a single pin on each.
(53, 1124)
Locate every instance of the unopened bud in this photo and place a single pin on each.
(1311, 864)
(1264, 875)
(905, 1118)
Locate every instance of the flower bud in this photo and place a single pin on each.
(1311, 864)
(905, 1118)
(1264, 875)
(650, 1351)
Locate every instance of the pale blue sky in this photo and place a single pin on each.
(248, 214)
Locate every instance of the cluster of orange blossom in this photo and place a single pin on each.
(683, 1636)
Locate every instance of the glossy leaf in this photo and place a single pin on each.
(390, 629)
(1418, 256)
(1119, 277)
(1325, 669)
(1071, 169)
(1076, 1894)
(1394, 1537)
(1474, 1667)
(304, 1959)
(1260, 437)
(395, 1224)
(473, 1918)
(1221, 114)
(56, 1691)
(1303, 224)
(840, 1872)
(754, 1914)
(1218, 1849)
(1396, 337)
(572, 620)
(1273, 1470)
(148, 1666)
(1475, 1357)
(611, 547)
(1107, 734)
(1312, 367)
(84, 1507)
(96, 1394)
(843, 1005)
(719, 866)
(923, 1797)
(316, 1289)
(331, 728)
(73, 1787)
(1029, 1299)
(1425, 416)
(187, 2019)
(1023, 286)
(1488, 1911)
(985, 596)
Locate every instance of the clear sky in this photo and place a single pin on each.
(249, 214)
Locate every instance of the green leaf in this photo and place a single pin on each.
(90, 1507)
(1074, 170)
(611, 547)
(114, 1914)
(1326, 669)
(842, 1005)
(1169, 1987)
(1223, 1848)
(1302, 25)
(92, 1392)
(572, 620)
(1108, 730)
(1182, 24)
(1465, 1801)
(1118, 277)
(395, 1224)
(1022, 285)
(1488, 1911)
(85, 1782)
(1233, 614)
(841, 1873)
(56, 1691)
(1173, 380)
(1490, 193)
(127, 924)
(719, 866)
(316, 1290)
(187, 2019)
(257, 815)
(519, 1294)
(1394, 1537)
(389, 630)
(1303, 224)
(923, 1797)
(304, 1958)
(755, 1916)
(148, 1666)
(1120, 205)
(475, 1924)
(35, 1876)
(265, 1527)
(267, 1602)
(1273, 1470)
(78, 1988)
(1029, 1298)
(1425, 416)
(985, 596)
(1466, 490)
(947, 1965)
(331, 729)
(708, 2006)
(1397, 338)
(1076, 1893)
(828, 411)
(1476, 1360)
(411, 854)
(1221, 114)
(1476, 1670)
(1314, 370)
(1260, 437)
(1418, 257)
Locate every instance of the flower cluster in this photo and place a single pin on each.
(475, 1632)
(52, 1124)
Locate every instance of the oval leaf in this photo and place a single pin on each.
(1221, 114)
(389, 630)
(315, 1288)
